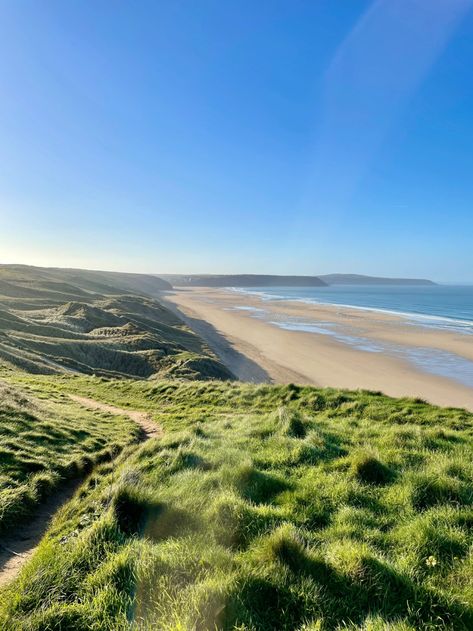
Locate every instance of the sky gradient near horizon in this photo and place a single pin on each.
(238, 137)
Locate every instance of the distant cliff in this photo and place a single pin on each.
(272, 280)
(242, 280)
(359, 279)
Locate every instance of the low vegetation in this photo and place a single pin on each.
(262, 508)
(99, 323)
(45, 439)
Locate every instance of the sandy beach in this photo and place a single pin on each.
(287, 341)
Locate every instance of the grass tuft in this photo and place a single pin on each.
(292, 423)
(134, 509)
(368, 469)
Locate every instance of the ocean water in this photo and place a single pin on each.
(442, 307)
(439, 306)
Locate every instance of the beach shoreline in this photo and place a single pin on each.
(328, 345)
(416, 317)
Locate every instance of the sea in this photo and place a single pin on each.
(440, 306)
(444, 307)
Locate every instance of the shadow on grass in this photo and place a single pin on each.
(374, 588)
(258, 486)
(137, 514)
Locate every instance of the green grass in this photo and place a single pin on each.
(45, 438)
(261, 508)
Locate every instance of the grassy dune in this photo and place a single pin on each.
(261, 508)
(55, 321)
(64, 284)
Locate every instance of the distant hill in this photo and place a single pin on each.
(242, 280)
(272, 280)
(104, 323)
(68, 283)
(359, 279)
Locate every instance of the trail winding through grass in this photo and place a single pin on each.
(150, 428)
(17, 549)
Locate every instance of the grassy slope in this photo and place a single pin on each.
(45, 438)
(262, 508)
(53, 321)
(74, 281)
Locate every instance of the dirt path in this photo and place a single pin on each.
(150, 428)
(16, 550)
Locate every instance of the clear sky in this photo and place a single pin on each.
(267, 136)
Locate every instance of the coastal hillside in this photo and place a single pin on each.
(142, 488)
(242, 280)
(66, 283)
(102, 323)
(259, 508)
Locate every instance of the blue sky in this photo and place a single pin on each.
(239, 136)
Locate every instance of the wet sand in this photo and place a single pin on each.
(241, 330)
